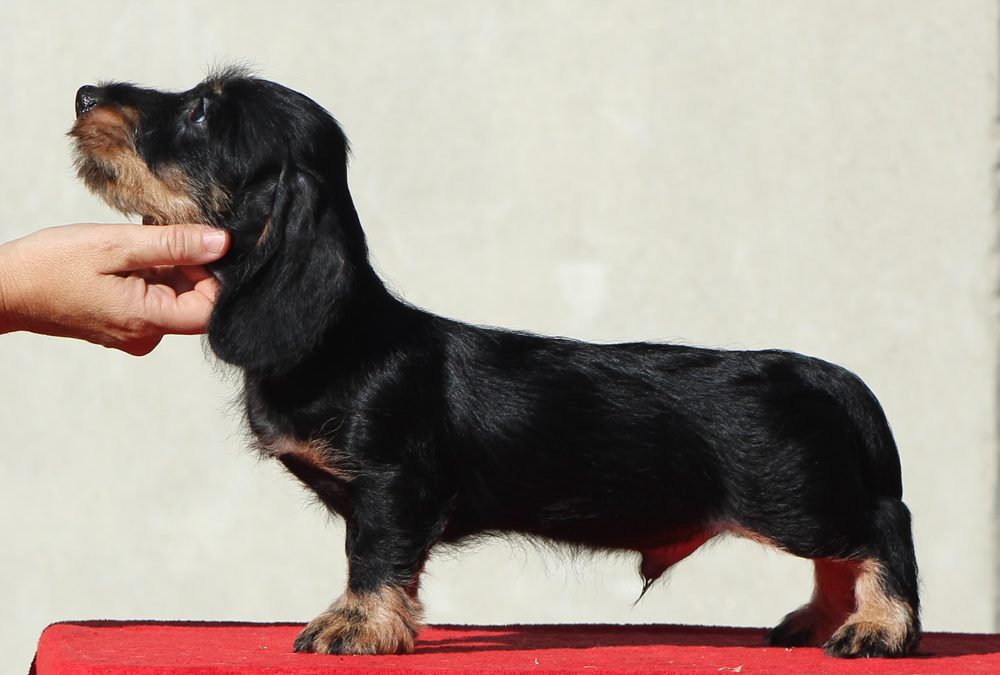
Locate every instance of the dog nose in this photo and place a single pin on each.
(86, 99)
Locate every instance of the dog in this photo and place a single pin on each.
(420, 430)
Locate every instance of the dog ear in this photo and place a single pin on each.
(279, 298)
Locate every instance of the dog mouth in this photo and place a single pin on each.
(109, 163)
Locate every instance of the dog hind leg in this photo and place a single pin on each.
(832, 602)
(887, 619)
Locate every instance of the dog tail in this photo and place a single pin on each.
(876, 447)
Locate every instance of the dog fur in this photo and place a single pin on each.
(420, 430)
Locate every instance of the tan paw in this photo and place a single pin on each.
(385, 622)
(865, 639)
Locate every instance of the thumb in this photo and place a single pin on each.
(151, 246)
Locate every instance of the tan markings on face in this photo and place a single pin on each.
(314, 453)
(384, 622)
(879, 616)
(107, 162)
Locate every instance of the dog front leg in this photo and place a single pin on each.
(379, 612)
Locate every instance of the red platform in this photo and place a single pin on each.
(156, 648)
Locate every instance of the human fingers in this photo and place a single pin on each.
(142, 246)
(183, 312)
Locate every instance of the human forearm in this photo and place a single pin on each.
(9, 320)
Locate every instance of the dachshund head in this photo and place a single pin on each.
(252, 157)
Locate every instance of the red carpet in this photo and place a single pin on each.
(154, 648)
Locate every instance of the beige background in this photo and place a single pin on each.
(810, 175)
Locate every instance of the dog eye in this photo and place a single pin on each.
(197, 114)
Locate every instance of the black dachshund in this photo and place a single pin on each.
(420, 430)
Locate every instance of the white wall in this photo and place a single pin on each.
(814, 176)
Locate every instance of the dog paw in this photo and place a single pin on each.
(866, 639)
(792, 632)
(386, 622)
(808, 626)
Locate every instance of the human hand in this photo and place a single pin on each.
(121, 286)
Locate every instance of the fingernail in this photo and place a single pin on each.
(214, 241)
